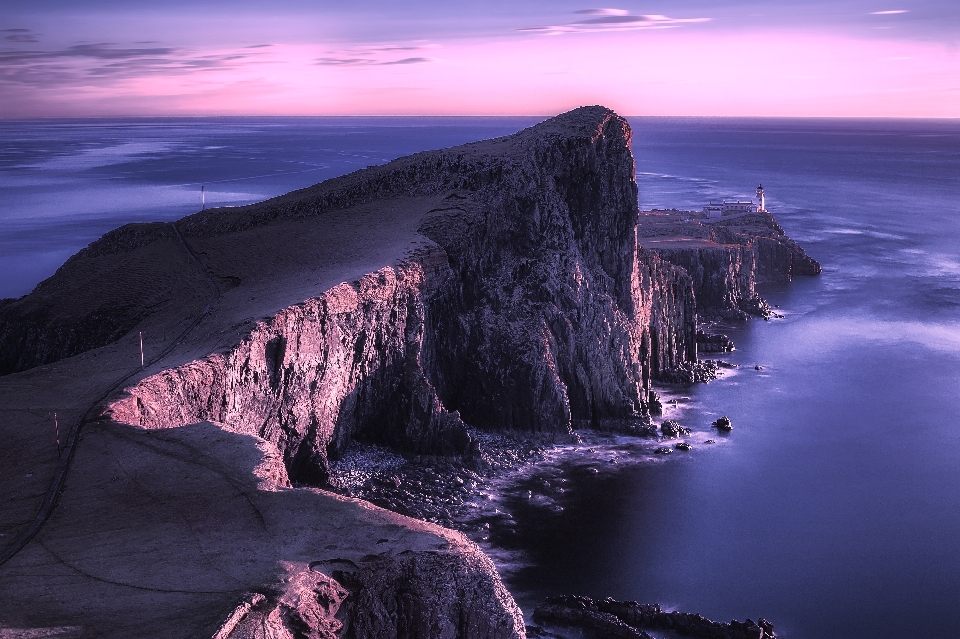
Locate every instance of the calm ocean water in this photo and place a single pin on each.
(833, 507)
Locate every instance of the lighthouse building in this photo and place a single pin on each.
(727, 207)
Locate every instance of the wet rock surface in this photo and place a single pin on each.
(704, 370)
(723, 423)
(440, 490)
(612, 618)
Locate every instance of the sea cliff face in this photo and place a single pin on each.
(534, 310)
(726, 259)
(522, 302)
(317, 375)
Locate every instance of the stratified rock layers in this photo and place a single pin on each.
(534, 310)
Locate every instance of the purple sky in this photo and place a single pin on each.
(299, 57)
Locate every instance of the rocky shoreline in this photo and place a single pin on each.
(608, 617)
(404, 335)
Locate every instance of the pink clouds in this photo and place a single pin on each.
(648, 72)
(614, 20)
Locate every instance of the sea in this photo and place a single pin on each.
(831, 509)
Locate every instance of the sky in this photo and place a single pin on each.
(842, 58)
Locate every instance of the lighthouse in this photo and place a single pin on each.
(761, 205)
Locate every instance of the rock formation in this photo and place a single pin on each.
(496, 285)
(727, 258)
(532, 309)
(628, 619)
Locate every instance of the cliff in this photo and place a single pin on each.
(726, 258)
(497, 285)
(531, 308)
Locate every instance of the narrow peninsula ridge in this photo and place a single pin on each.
(504, 285)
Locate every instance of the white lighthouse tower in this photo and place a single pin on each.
(761, 204)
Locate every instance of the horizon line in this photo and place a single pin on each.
(464, 115)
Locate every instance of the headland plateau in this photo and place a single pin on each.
(183, 403)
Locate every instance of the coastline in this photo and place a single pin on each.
(234, 325)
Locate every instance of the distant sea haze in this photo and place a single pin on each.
(832, 508)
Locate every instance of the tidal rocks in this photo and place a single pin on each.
(648, 430)
(663, 450)
(683, 446)
(599, 616)
(713, 343)
(654, 405)
(723, 423)
(703, 370)
(672, 429)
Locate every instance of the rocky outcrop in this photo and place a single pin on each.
(384, 596)
(714, 343)
(387, 601)
(729, 259)
(672, 429)
(612, 618)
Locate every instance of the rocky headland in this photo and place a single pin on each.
(507, 286)
(726, 258)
